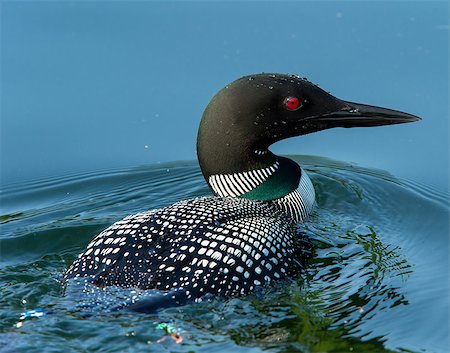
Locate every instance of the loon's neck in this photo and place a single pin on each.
(257, 174)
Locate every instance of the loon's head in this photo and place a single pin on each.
(248, 115)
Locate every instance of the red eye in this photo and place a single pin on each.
(292, 103)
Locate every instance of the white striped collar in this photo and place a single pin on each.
(299, 203)
(238, 184)
(261, 152)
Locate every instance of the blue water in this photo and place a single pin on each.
(377, 278)
(95, 84)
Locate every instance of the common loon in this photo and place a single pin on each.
(244, 236)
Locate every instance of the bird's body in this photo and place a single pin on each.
(226, 244)
(245, 236)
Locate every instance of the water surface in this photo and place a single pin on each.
(377, 278)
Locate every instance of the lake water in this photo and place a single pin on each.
(98, 98)
(377, 278)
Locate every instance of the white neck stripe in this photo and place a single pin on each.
(238, 184)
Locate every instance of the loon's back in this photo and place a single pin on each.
(217, 245)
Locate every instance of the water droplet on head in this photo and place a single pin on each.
(270, 87)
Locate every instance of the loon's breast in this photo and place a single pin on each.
(218, 245)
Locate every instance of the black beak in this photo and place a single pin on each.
(361, 115)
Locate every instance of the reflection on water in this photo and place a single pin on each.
(377, 278)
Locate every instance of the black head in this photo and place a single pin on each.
(255, 111)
